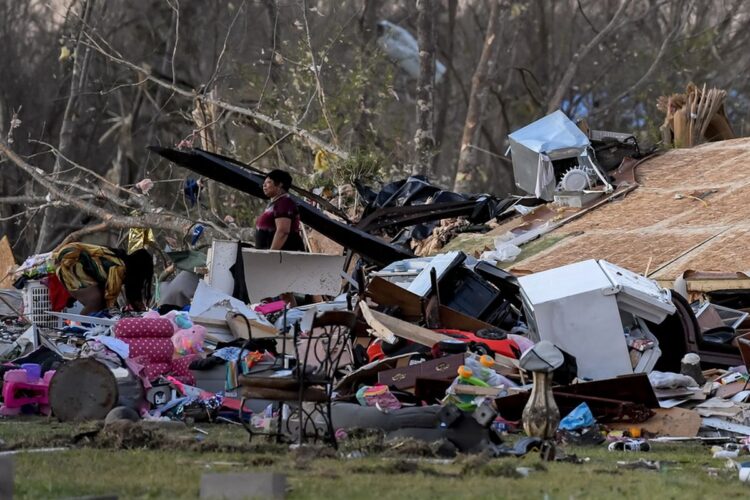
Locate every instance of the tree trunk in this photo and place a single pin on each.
(445, 90)
(368, 30)
(204, 116)
(424, 139)
(543, 42)
(77, 76)
(273, 18)
(477, 98)
(4, 209)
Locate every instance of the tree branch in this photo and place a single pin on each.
(139, 198)
(152, 219)
(302, 133)
(77, 80)
(644, 78)
(316, 73)
(564, 85)
(77, 235)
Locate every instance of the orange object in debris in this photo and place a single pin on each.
(465, 372)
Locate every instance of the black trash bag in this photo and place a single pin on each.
(43, 356)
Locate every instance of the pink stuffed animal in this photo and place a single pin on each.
(189, 340)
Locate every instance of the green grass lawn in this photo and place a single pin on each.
(169, 465)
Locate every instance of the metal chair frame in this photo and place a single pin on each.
(318, 362)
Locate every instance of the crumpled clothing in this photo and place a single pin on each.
(113, 344)
(58, 294)
(668, 380)
(139, 238)
(80, 265)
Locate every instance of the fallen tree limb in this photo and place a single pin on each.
(137, 197)
(76, 235)
(152, 219)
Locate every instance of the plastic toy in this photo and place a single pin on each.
(25, 387)
(189, 341)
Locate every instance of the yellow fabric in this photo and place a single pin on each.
(139, 238)
(80, 265)
(322, 161)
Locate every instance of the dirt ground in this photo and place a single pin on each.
(131, 461)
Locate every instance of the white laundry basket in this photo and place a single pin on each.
(36, 305)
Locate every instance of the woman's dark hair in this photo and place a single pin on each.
(139, 273)
(280, 177)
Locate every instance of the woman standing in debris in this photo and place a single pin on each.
(95, 275)
(278, 227)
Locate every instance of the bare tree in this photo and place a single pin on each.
(424, 139)
(143, 78)
(446, 87)
(80, 55)
(563, 86)
(368, 31)
(479, 90)
(149, 217)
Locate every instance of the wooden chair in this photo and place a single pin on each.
(308, 389)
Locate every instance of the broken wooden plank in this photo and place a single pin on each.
(727, 391)
(238, 325)
(376, 327)
(473, 390)
(385, 293)
(672, 422)
(388, 328)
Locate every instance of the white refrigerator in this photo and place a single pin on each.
(580, 308)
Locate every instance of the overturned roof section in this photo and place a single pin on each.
(690, 212)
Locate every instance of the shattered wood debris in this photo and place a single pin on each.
(430, 348)
(694, 117)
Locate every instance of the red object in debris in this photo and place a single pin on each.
(375, 350)
(491, 341)
(58, 294)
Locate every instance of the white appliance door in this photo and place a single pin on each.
(639, 295)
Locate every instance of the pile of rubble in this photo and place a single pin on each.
(444, 349)
(447, 349)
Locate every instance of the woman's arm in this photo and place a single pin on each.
(283, 228)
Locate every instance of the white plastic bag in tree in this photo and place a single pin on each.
(402, 48)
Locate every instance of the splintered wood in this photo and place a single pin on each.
(388, 328)
(694, 117)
